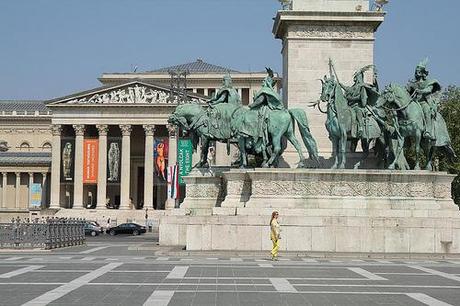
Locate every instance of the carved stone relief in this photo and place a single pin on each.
(331, 31)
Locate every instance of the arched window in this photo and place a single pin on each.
(46, 146)
(25, 146)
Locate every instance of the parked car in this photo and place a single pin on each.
(128, 228)
(92, 228)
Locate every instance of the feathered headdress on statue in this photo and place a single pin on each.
(271, 75)
(423, 64)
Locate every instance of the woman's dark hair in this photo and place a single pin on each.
(273, 216)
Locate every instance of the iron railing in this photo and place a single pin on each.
(47, 234)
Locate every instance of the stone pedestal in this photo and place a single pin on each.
(205, 190)
(373, 211)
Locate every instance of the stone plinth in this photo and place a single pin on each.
(327, 211)
(330, 5)
(205, 190)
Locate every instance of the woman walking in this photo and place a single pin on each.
(275, 234)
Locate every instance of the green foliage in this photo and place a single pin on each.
(450, 110)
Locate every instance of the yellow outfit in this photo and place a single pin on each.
(275, 237)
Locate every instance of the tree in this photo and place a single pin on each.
(450, 110)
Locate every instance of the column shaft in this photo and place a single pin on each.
(31, 181)
(56, 168)
(172, 160)
(4, 182)
(148, 166)
(102, 160)
(44, 189)
(125, 166)
(78, 168)
(17, 187)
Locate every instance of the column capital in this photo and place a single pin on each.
(172, 129)
(4, 173)
(31, 173)
(17, 174)
(56, 129)
(79, 129)
(149, 129)
(44, 174)
(126, 129)
(103, 129)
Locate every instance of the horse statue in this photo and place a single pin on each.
(410, 122)
(339, 123)
(239, 125)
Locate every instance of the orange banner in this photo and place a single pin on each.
(90, 160)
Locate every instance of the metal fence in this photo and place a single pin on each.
(47, 234)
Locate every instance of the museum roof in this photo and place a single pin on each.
(25, 158)
(198, 66)
(23, 105)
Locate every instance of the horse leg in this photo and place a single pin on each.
(265, 157)
(203, 163)
(418, 140)
(335, 151)
(365, 145)
(429, 151)
(276, 139)
(342, 150)
(243, 154)
(398, 152)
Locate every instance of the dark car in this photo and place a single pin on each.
(92, 228)
(128, 228)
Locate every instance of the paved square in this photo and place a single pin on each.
(109, 273)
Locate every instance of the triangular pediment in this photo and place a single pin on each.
(132, 93)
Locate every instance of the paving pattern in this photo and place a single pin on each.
(103, 274)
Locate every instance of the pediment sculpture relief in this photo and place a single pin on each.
(136, 94)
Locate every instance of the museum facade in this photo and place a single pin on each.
(105, 148)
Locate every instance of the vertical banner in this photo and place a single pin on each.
(90, 160)
(160, 156)
(173, 182)
(184, 158)
(36, 195)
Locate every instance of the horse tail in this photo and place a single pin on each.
(298, 115)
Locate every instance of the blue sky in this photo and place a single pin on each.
(50, 48)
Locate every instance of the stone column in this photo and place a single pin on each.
(102, 161)
(4, 177)
(206, 92)
(125, 166)
(148, 165)
(17, 191)
(78, 168)
(56, 167)
(31, 181)
(44, 189)
(172, 160)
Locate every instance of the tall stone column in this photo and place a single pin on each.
(102, 160)
(56, 167)
(17, 191)
(31, 182)
(313, 32)
(125, 165)
(4, 181)
(44, 189)
(148, 165)
(172, 160)
(78, 168)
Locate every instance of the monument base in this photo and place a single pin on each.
(326, 211)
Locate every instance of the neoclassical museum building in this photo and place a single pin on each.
(96, 151)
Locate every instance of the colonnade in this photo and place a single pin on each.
(7, 205)
(125, 164)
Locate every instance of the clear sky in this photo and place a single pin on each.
(50, 48)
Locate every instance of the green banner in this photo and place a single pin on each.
(184, 158)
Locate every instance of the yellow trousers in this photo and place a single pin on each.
(276, 247)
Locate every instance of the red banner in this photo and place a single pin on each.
(90, 160)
